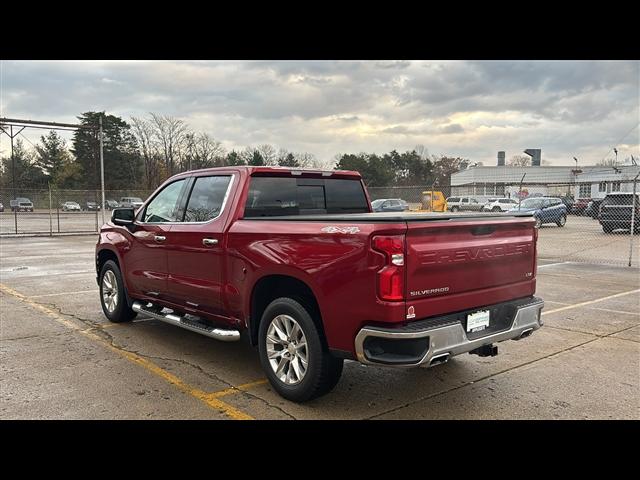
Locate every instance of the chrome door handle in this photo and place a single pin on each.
(208, 242)
(159, 238)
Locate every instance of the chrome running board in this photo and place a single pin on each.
(187, 323)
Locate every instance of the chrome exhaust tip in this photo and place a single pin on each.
(439, 359)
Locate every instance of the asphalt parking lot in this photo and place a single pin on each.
(61, 359)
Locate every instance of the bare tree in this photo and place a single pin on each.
(519, 161)
(170, 134)
(268, 153)
(309, 160)
(422, 151)
(143, 130)
(204, 151)
(609, 162)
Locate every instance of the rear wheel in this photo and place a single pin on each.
(562, 221)
(454, 209)
(538, 223)
(496, 209)
(293, 354)
(607, 228)
(112, 294)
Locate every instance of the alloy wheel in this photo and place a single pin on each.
(109, 291)
(287, 350)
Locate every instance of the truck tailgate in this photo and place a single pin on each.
(460, 264)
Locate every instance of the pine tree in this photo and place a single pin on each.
(122, 161)
(52, 155)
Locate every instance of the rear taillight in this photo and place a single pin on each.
(391, 276)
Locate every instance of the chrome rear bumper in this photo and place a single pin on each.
(449, 340)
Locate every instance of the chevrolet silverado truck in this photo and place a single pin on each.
(297, 262)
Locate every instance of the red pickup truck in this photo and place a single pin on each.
(298, 261)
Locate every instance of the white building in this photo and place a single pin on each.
(584, 182)
(596, 182)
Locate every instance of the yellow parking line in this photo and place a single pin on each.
(238, 389)
(576, 305)
(208, 399)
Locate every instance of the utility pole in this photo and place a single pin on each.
(12, 135)
(103, 205)
(634, 205)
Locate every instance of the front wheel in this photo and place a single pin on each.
(112, 294)
(454, 209)
(607, 228)
(562, 221)
(293, 354)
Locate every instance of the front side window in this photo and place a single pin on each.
(206, 199)
(164, 207)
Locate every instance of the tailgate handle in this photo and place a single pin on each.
(483, 230)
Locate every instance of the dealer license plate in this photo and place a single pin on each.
(477, 321)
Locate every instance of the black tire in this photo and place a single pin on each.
(496, 209)
(121, 313)
(454, 209)
(607, 228)
(562, 221)
(323, 370)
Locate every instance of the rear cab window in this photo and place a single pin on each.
(277, 196)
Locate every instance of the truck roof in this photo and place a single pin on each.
(276, 169)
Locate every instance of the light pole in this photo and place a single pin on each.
(615, 150)
(103, 206)
(576, 162)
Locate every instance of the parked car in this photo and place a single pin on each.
(499, 205)
(1, 208)
(544, 209)
(298, 261)
(568, 202)
(21, 204)
(91, 207)
(579, 206)
(618, 209)
(432, 201)
(458, 204)
(389, 205)
(129, 202)
(111, 204)
(71, 207)
(593, 208)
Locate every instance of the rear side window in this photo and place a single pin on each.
(274, 196)
(206, 199)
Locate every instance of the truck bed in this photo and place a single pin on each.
(395, 217)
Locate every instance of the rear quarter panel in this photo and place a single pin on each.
(340, 268)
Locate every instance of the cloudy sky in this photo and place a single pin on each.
(460, 108)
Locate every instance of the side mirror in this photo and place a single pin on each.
(123, 216)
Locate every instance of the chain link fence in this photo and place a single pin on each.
(580, 221)
(53, 212)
